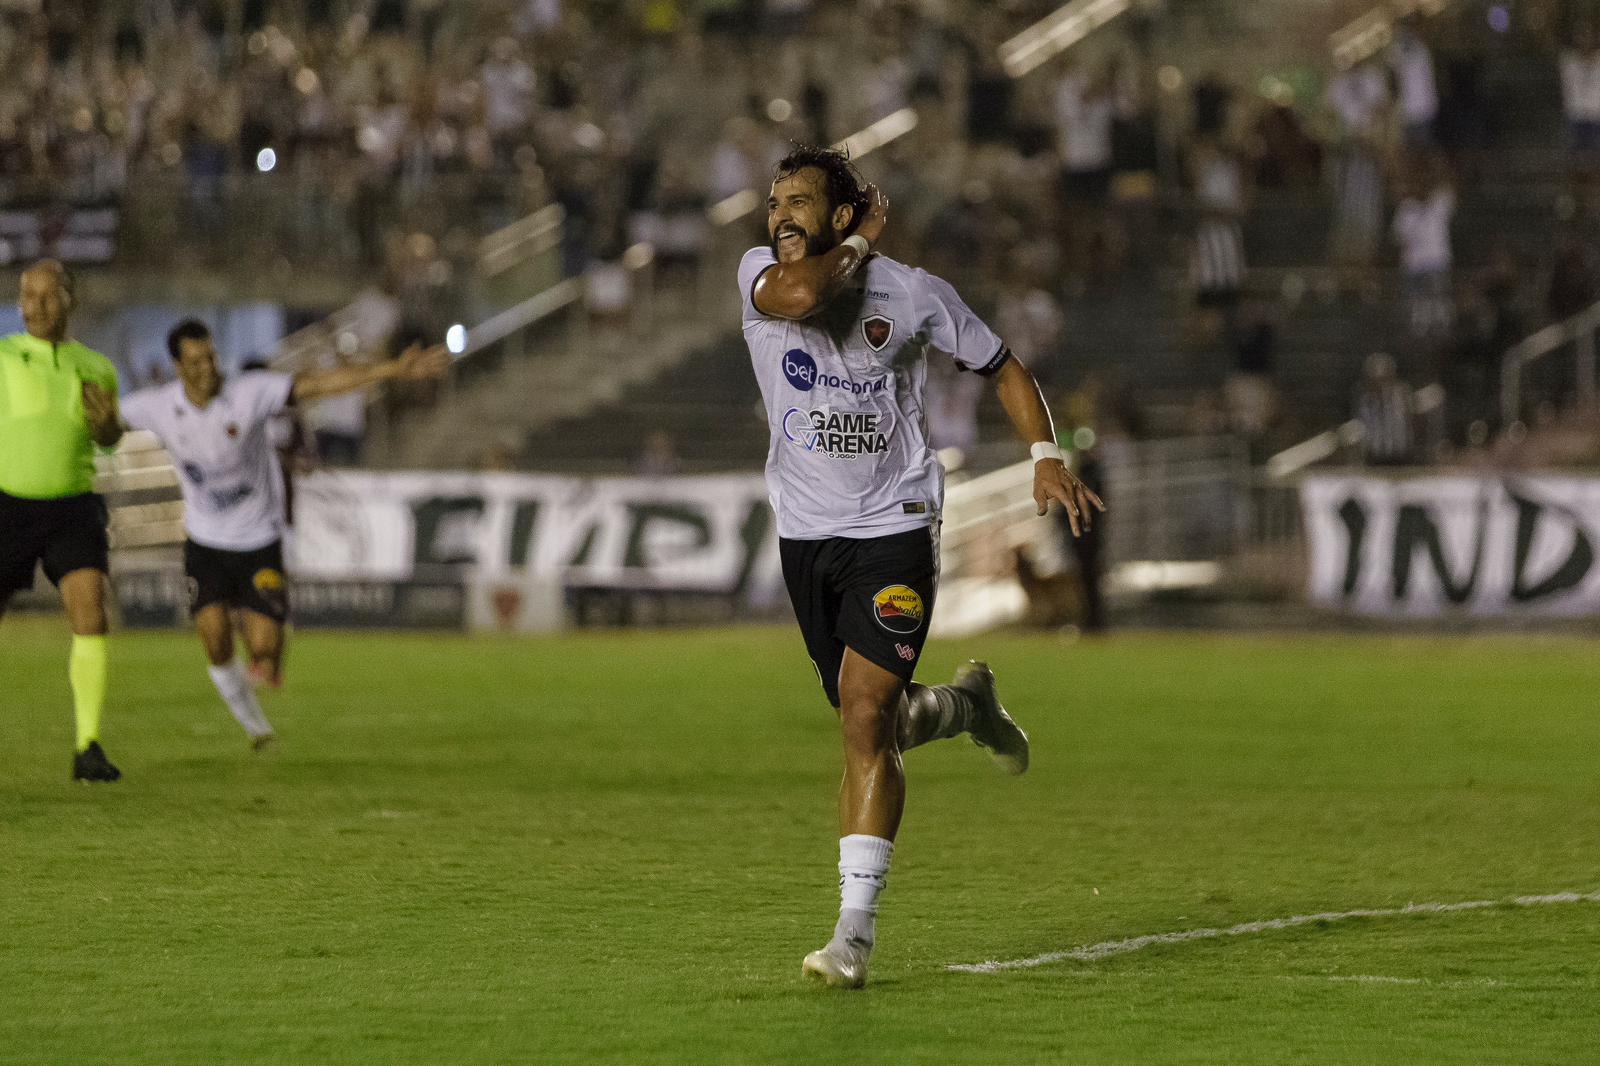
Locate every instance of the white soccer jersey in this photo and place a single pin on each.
(227, 467)
(845, 397)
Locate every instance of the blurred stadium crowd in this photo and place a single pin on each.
(1176, 241)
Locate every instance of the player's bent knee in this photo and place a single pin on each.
(868, 725)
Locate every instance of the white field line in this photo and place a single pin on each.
(1105, 950)
(1380, 979)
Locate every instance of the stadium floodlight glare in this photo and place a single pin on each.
(266, 160)
(869, 140)
(455, 339)
(1056, 32)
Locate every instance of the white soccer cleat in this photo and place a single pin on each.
(837, 966)
(994, 731)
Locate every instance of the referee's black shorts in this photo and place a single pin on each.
(251, 580)
(873, 595)
(65, 535)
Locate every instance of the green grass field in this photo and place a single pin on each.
(616, 848)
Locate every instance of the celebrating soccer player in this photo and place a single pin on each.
(216, 430)
(840, 337)
(57, 400)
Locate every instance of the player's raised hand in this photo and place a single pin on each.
(876, 217)
(418, 363)
(1053, 481)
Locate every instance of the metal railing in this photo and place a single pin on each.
(1577, 331)
(1182, 499)
(1343, 437)
(1370, 32)
(140, 487)
(1056, 32)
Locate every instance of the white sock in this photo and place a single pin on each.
(863, 868)
(240, 697)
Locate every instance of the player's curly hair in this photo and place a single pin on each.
(840, 178)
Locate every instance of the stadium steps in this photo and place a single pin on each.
(499, 406)
(708, 404)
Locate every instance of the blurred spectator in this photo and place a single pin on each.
(508, 87)
(952, 406)
(1213, 100)
(1386, 407)
(1580, 98)
(1217, 266)
(742, 159)
(338, 424)
(1487, 323)
(1088, 548)
(659, 456)
(1574, 279)
(1031, 320)
(1251, 394)
(1359, 100)
(296, 448)
(1284, 154)
(1412, 62)
(1084, 109)
(1422, 230)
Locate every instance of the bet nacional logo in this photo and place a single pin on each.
(800, 369)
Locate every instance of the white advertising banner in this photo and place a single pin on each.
(712, 533)
(1474, 545)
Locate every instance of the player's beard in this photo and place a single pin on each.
(816, 244)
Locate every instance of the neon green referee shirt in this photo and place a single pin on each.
(45, 449)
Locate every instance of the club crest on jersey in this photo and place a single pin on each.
(898, 609)
(233, 429)
(877, 331)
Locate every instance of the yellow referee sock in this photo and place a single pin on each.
(87, 671)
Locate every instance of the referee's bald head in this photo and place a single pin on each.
(58, 271)
(49, 293)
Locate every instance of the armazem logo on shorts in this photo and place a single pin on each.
(837, 434)
(801, 371)
(898, 608)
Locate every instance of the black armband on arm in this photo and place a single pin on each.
(992, 367)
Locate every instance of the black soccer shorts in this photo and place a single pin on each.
(65, 535)
(872, 595)
(252, 580)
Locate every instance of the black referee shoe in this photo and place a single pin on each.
(91, 764)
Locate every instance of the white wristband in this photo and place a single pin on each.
(859, 243)
(1047, 450)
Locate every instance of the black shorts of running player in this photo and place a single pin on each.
(65, 535)
(251, 580)
(872, 595)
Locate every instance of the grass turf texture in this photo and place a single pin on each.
(618, 847)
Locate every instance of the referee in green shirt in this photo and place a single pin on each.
(58, 400)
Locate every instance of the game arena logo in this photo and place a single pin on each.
(836, 434)
(898, 609)
(801, 371)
